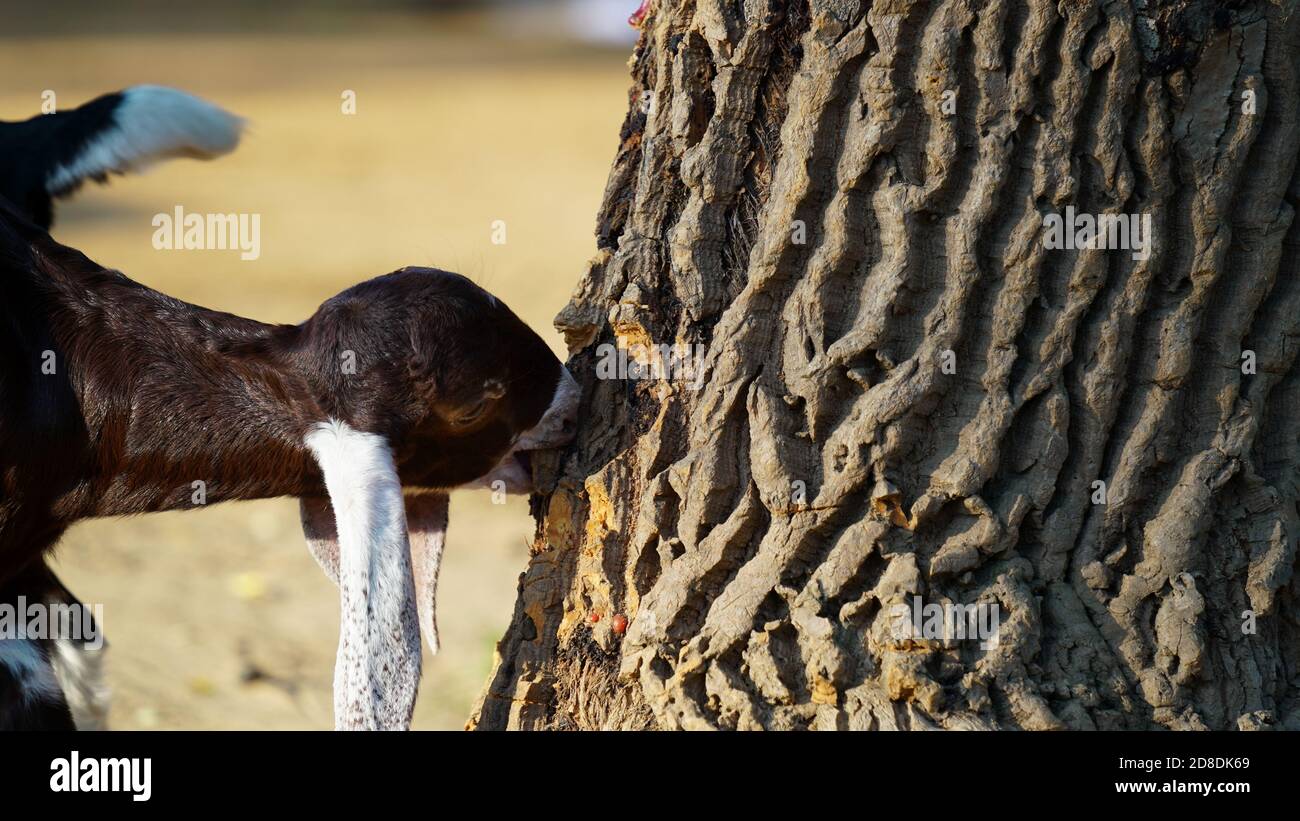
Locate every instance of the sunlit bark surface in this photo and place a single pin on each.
(909, 398)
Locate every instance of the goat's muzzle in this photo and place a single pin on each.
(557, 428)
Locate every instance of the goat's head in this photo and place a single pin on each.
(456, 383)
(493, 388)
(428, 382)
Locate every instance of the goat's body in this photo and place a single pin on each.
(117, 399)
(102, 413)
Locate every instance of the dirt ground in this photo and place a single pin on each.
(219, 618)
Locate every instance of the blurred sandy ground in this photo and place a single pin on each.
(219, 618)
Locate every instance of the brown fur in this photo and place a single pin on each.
(152, 394)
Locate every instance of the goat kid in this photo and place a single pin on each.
(116, 399)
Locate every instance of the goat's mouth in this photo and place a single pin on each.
(513, 474)
(525, 460)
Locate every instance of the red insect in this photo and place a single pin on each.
(619, 623)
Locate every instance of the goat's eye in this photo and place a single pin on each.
(470, 416)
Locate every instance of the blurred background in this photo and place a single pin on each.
(466, 113)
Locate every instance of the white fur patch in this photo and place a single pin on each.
(151, 123)
(79, 668)
(29, 668)
(377, 670)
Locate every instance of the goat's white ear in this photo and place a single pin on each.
(321, 533)
(377, 670)
(426, 522)
(426, 525)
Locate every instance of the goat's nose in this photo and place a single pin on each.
(569, 426)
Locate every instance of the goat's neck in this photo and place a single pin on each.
(183, 406)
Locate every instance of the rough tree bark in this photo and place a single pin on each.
(1171, 603)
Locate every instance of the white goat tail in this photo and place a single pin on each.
(149, 124)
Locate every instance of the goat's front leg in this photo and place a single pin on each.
(30, 695)
(55, 682)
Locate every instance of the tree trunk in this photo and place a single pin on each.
(913, 397)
